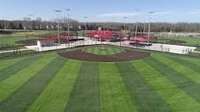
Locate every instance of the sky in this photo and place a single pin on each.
(104, 10)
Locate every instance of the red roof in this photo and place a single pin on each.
(101, 34)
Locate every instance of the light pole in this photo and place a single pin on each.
(27, 21)
(125, 18)
(58, 24)
(3, 20)
(136, 29)
(68, 24)
(171, 29)
(136, 23)
(31, 16)
(85, 17)
(68, 20)
(85, 25)
(4, 23)
(149, 26)
(144, 30)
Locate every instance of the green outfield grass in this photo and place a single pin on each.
(9, 41)
(180, 40)
(50, 83)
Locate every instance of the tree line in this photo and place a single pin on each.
(144, 27)
(75, 25)
(37, 25)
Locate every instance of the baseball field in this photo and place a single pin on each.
(50, 82)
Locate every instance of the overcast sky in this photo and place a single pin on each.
(105, 10)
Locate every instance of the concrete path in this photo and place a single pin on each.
(10, 51)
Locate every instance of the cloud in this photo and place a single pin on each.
(120, 14)
(133, 14)
(194, 12)
(158, 13)
(163, 13)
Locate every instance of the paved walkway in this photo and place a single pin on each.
(10, 51)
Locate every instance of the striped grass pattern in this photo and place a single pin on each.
(49, 83)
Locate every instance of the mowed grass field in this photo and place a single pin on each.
(182, 40)
(10, 40)
(50, 83)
